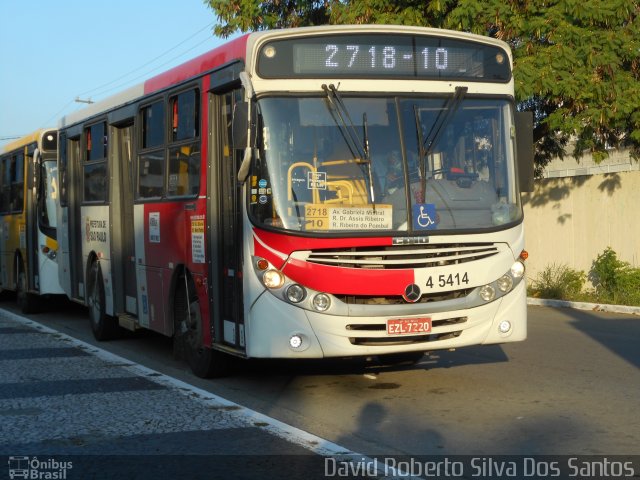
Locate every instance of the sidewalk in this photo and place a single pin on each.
(74, 411)
(598, 307)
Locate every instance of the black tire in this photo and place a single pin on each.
(204, 362)
(103, 326)
(28, 302)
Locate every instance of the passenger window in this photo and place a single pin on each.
(184, 150)
(153, 125)
(151, 160)
(96, 142)
(185, 116)
(95, 163)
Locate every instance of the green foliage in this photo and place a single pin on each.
(615, 282)
(558, 282)
(576, 62)
(606, 270)
(253, 15)
(576, 65)
(628, 291)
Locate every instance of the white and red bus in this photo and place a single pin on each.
(330, 191)
(28, 233)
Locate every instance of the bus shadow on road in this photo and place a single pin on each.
(616, 332)
(438, 359)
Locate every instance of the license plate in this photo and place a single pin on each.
(406, 326)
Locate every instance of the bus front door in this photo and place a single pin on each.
(124, 238)
(227, 241)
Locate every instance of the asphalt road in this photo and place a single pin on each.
(572, 388)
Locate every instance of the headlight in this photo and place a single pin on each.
(295, 341)
(49, 252)
(505, 283)
(504, 326)
(273, 279)
(321, 302)
(517, 270)
(487, 293)
(296, 293)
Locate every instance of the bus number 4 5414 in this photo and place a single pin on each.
(452, 280)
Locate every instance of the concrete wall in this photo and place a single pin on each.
(571, 220)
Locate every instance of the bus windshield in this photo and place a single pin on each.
(340, 163)
(49, 194)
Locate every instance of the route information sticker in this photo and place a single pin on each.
(197, 239)
(327, 217)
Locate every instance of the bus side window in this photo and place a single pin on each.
(16, 177)
(184, 170)
(95, 163)
(4, 190)
(184, 151)
(151, 174)
(151, 159)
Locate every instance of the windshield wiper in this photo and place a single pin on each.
(426, 145)
(443, 118)
(359, 149)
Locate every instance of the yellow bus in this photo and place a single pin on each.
(28, 234)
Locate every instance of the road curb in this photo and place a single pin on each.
(597, 307)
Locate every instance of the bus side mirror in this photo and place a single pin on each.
(243, 133)
(241, 128)
(524, 150)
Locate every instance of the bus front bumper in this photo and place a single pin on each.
(277, 329)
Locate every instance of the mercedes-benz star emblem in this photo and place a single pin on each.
(412, 293)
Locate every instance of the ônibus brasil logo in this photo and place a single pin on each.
(33, 468)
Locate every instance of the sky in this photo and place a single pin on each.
(52, 52)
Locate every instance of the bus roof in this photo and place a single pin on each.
(374, 28)
(233, 50)
(238, 49)
(26, 140)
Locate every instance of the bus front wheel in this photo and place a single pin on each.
(188, 336)
(104, 327)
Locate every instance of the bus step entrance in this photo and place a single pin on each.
(128, 322)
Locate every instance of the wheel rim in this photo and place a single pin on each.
(188, 325)
(94, 308)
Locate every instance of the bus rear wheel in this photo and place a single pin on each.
(103, 326)
(188, 336)
(27, 302)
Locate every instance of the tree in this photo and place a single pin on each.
(576, 62)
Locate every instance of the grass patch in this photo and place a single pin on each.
(615, 282)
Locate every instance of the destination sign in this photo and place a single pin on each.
(383, 56)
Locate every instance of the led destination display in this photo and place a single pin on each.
(383, 56)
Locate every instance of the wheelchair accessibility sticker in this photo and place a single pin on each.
(424, 216)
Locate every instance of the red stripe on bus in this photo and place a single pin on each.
(348, 281)
(234, 50)
(289, 243)
(272, 257)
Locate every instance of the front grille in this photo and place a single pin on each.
(403, 256)
(398, 300)
(408, 340)
(378, 327)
